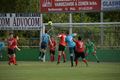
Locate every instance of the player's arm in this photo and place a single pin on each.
(55, 43)
(50, 41)
(74, 40)
(95, 47)
(17, 48)
(86, 53)
(74, 34)
(59, 35)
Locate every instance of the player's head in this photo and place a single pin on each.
(67, 32)
(79, 38)
(88, 40)
(52, 38)
(11, 35)
(46, 31)
(16, 36)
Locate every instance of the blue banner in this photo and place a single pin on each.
(110, 5)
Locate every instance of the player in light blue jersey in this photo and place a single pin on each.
(44, 43)
(2, 46)
(71, 44)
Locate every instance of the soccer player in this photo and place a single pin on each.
(71, 44)
(12, 46)
(2, 46)
(52, 48)
(79, 51)
(91, 49)
(62, 45)
(44, 43)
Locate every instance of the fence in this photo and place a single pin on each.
(105, 35)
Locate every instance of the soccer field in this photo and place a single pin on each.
(63, 71)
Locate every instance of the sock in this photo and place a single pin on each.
(59, 57)
(10, 60)
(85, 61)
(42, 54)
(96, 57)
(51, 58)
(76, 62)
(64, 56)
(14, 60)
(71, 59)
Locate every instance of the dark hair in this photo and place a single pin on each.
(79, 38)
(67, 32)
(15, 36)
(10, 33)
(46, 31)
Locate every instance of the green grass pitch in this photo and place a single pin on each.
(52, 71)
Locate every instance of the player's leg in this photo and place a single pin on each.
(53, 53)
(94, 54)
(14, 57)
(59, 54)
(83, 58)
(76, 58)
(43, 50)
(86, 54)
(63, 53)
(10, 58)
(71, 50)
(59, 57)
(64, 56)
(51, 56)
(1, 54)
(39, 57)
(43, 55)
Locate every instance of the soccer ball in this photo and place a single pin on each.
(50, 23)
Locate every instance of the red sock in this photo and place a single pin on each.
(64, 56)
(76, 62)
(85, 61)
(53, 58)
(14, 60)
(10, 60)
(59, 57)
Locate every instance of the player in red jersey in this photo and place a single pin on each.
(79, 51)
(62, 45)
(12, 46)
(52, 48)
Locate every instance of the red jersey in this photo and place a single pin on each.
(52, 47)
(79, 46)
(12, 43)
(62, 39)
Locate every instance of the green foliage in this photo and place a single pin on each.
(33, 6)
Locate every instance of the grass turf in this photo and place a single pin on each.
(63, 71)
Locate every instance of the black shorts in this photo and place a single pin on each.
(52, 52)
(11, 51)
(43, 45)
(80, 54)
(61, 48)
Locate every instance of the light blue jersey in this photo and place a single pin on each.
(45, 38)
(69, 40)
(2, 45)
